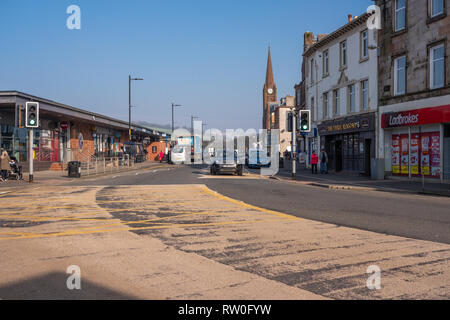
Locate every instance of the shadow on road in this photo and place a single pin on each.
(52, 286)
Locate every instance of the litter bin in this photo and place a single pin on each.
(74, 168)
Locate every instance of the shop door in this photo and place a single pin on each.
(338, 153)
(367, 156)
(447, 152)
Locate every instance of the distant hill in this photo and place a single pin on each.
(158, 126)
(154, 125)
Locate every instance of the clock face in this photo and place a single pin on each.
(270, 91)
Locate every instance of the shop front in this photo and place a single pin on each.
(349, 142)
(417, 142)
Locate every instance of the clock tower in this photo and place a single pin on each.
(269, 94)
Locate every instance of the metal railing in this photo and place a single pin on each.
(107, 164)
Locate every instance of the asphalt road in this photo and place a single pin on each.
(406, 215)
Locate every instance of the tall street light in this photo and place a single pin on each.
(129, 102)
(174, 105)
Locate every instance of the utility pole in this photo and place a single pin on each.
(129, 102)
(173, 123)
(30, 154)
(294, 146)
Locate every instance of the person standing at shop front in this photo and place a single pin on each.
(323, 162)
(4, 165)
(314, 162)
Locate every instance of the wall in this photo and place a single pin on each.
(154, 156)
(414, 42)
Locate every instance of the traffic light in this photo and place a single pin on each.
(305, 121)
(289, 122)
(32, 115)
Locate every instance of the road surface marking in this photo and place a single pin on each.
(243, 204)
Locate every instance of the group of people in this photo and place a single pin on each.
(322, 158)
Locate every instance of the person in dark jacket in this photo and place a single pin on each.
(323, 162)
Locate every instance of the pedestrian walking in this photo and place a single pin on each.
(323, 162)
(161, 157)
(4, 165)
(314, 162)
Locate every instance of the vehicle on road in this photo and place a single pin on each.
(226, 162)
(257, 159)
(179, 155)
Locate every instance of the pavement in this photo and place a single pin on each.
(51, 177)
(349, 180)
(178, 233)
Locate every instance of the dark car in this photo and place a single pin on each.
(226, 162)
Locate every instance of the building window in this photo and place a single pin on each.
(365, 44)
(326, 63)
(312, 71)
(351, 98)
(336, 102)
(400, 76)
(437, 66)
(326, 106)
(437, 7)
(365, 95)
(400, 15)
(343, 54)
(154, 149)
(312, 109)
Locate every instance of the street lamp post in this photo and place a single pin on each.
(129, 102)
(173, 124)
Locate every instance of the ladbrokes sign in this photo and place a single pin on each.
(416, 117)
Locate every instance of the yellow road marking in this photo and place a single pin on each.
(169, 226)
(246, 205)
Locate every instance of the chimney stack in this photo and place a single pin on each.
(350, 18)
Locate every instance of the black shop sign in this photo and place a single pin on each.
(348, 125)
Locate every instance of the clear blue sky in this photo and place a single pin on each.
(208, 55)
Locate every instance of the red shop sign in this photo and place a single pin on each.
(64, 125)
(416, 117)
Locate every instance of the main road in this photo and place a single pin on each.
(176, 232)
(407, 215)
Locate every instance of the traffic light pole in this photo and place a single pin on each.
(294, 146)
(30, 154)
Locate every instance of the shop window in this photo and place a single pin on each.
(437, 7)
(336, 102)
(364, 44)
(424, 158)
(326, 106)
(343, 54)
(365, 95)
(326, 63)
(437, 66)
(400, 76)
(400, 15)
(351, 98)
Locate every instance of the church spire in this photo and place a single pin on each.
(269, 72)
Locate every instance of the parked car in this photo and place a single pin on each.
(226, 162)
